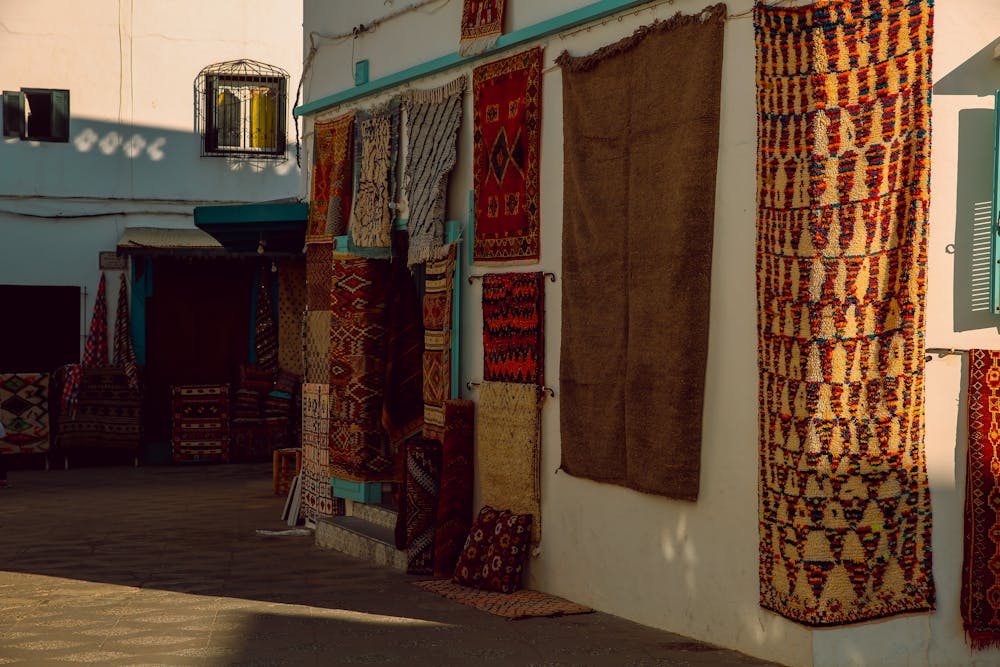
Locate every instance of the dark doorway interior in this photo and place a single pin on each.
(198, 330)
(39, 328)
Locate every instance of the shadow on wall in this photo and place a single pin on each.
(980, 76)
(107, 159)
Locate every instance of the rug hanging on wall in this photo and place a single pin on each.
(317, 493)
(432, 120)
(438, 300)
(200, 423)
(124, 357)
(316, 337)
(265, 328)
(291, 306)
(639, 113)
(843, 187)
(24, 411)
(454, 508)
(330, 201)
(507, 114)
(508, 443)
(980, 578)
(95, 351)
(513, 319)
(423, 476)
(482, 25)
(376, 150)
(319, 273)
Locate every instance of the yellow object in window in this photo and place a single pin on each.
(263, 118)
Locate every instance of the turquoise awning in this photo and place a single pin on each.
(277, 227)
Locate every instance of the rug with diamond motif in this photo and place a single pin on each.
(330, 200)
(507, 114)
(24, 411)
(438, 298)
(843, 99)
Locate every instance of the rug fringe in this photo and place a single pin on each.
(437, 95)
(983, 640)
(570, 63)
(476, 46)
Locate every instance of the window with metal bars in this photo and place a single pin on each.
(241, 108)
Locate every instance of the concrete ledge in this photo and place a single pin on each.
(359, 538)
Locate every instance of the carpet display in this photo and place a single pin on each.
(980, 575)
(423, 476)
(376, 149)
(317, 494)
(519, 604)
(432, 121)
(843, 198)
(265, 328)
(513, 319)
(108, 413)
(494, 554)
(507, 114)
(482, 25)
(24, 411)
(438, 298)
(291, 306)
(330, 201)
(359, 447)
(95, 351)
(316, 339)
(637, 114)
(402, 404)
(124, 351)
(508, 439)
(200, 424)
(454, 508)
(319, 273)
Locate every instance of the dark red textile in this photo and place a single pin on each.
(454, 510)
(423, 475)
(494, 555)
(513, 318)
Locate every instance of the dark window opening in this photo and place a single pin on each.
(242, 107)
(36, 114)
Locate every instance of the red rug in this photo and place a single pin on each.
(330, 203)
(513, 318)
(423, 475)
(200, 422)
(519, 604)
(482, 24)
(438, 295)
(454, 508)
(507, 110)
(981, 564)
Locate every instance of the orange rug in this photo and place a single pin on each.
(512, 606)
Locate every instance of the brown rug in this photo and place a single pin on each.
(291, 306)
(512, 606)
(641, 134)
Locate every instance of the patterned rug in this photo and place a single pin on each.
(359, 447)
(512, 606)
(402, 403)
(265, 328)
(319, 274)
(454, 507)
(423, 475)
(317, 494)
(980, 573)
(843, 177)
(639, 113)
(200, 422)
(291, 306)
(95, 351)
(507, 110)
(438, 296)
(124, 351)
(316, 339)
(508, 440)
(330, 202)
(24, 411)
(376, 149)
(482, 25)
(513, 320)
(432, 120)
(108, 413)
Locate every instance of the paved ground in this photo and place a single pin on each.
(163, 565)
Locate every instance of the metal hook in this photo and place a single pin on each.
(545, 390)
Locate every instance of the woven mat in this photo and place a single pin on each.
(843, 199)
(519, 604)
(330, 199)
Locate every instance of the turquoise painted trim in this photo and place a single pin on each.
(142, 288)
(244, 213)
(453, 233)
(344, 244)
(360, 72)
(592, 12)
(995, 211)
(362, 492)
(472, 227)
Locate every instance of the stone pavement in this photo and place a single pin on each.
(163, 565)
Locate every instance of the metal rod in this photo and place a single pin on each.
(470, 385)
(548, 274)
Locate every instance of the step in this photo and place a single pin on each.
(362, 539)
(376, 514)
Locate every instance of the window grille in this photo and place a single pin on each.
(241, 106)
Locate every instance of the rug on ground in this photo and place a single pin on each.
(523, 603)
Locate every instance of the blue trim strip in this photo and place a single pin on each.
(995, 211)
(243, 213)
(592, 12)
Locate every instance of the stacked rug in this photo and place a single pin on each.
(108, 413)
(843, 98)
(200, 424)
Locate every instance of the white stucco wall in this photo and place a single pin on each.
(692, 567)
(133, 158)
